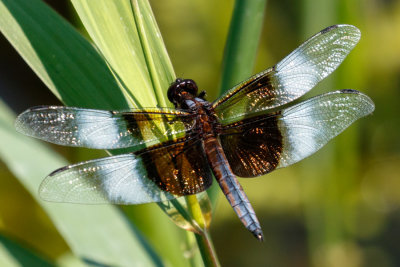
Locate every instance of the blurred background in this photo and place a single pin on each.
(339, 207)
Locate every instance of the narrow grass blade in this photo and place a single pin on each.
(243, 39)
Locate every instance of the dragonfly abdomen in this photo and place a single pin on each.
(230, 186)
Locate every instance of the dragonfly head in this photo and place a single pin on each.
(180, 90)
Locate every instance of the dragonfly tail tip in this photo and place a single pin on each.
(259, 235)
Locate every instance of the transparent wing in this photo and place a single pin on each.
(103, 129)
(153, 175)
(261, 144)
(295, 75)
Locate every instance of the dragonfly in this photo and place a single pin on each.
(249, 131)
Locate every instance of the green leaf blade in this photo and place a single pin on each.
(66, 62)
(12, 254)
(129, 40)
(243, 39)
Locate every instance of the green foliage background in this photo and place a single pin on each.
(340, 207)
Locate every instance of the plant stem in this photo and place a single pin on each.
(206, 248)
(203, 238)
(195, 211)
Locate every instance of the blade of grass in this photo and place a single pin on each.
(98, 234)
(242, 42)
(13, 254)
(158, 62)
(129, 39)
(67, 63)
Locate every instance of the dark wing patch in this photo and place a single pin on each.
(292, 77)
(253, 146)
(261, 144)
(102, 129)
(180, 167)
(156, 175)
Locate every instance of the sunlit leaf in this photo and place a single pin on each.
(67, 63)
(129, 39)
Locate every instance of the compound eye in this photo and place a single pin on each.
(191, 87)
(172, 93)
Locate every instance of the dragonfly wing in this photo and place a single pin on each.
(104, 129)
(261, 144)
(153, 175)
(292, 77)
